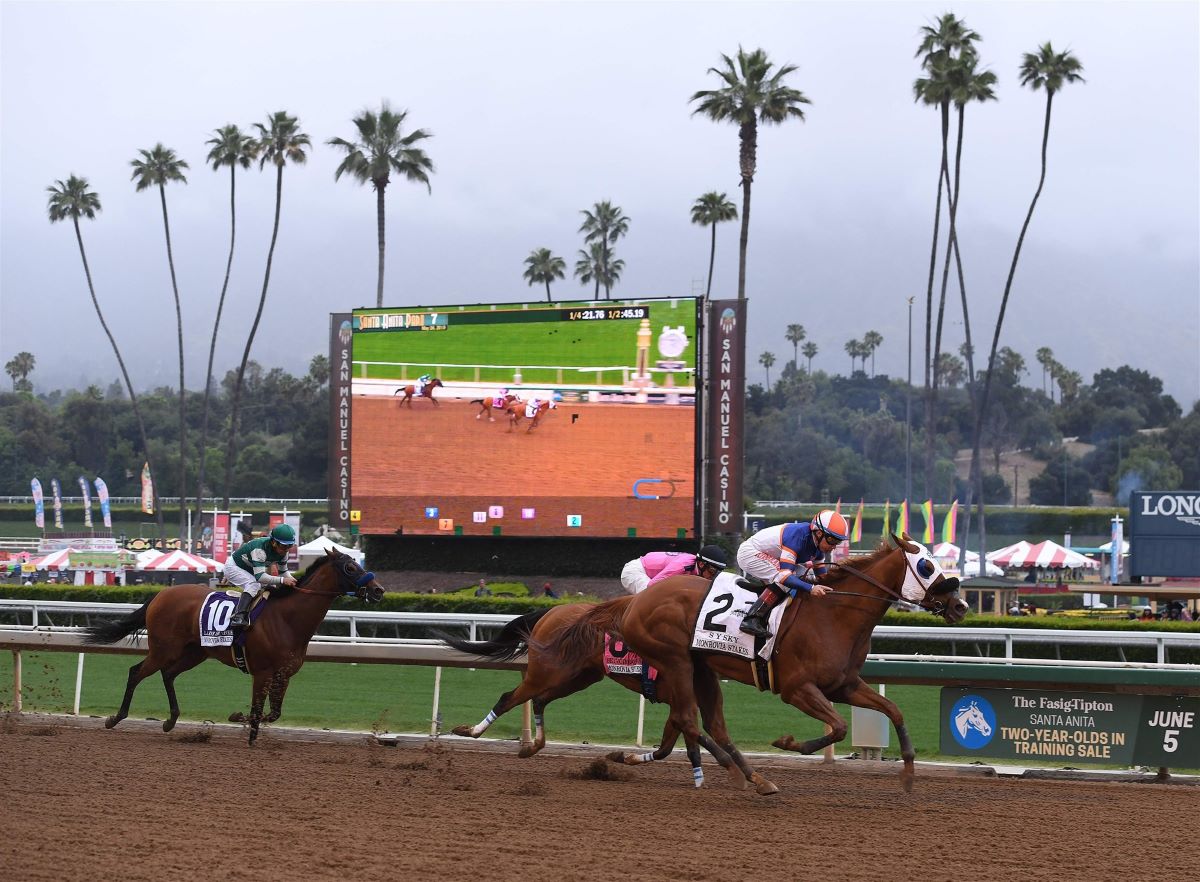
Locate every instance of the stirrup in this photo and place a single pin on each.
(756, 625)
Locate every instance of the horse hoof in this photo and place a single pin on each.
(763, 787)
(168, 725)
(906, 780)
(464, 731)
(787, 742)
(617, 756)
(111, 721)
(736, 778)
(237, 717)
(527, 750)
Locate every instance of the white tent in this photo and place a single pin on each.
(317, 548)
(1106, 548)
(971, 569)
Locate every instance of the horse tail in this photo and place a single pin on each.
(111, 632)
(507, 645)
(578, 641)
(477, 401)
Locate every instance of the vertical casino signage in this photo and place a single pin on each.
(726, 414)
(340, 371)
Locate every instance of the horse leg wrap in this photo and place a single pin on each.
(484, 724)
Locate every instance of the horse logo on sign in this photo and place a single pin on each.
(973, 721)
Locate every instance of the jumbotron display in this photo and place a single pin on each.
(526, 419)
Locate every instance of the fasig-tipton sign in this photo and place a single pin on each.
(1164, 531)
(1071, 727)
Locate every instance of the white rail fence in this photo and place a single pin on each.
(43, 626)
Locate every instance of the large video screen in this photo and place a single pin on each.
(526, 419)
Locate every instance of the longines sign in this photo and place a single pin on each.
(1165, 533)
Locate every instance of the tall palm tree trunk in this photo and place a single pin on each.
(930, 367)
(712, 256)
(212, 345)
(547, 290)
(137, 412)
(230, 452)
(183, 496)
(748, 136)
(379, 223)
(1012, 270)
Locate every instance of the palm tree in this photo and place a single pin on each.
(604, 224)
(19, 367)
(1045, 357)
(280, 141)
(72, 200)
(156, 168)
(1049, 70)
(871, 341)
(766, 360)
(379, 152)
(751, 94)
(230, 148)
(794, 335)
(541, 266)
(596, 264)
(709, 210)
(853, 348)
(943, 47)
(809, 351)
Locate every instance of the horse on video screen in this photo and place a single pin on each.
(519, 410)
(494, 401)
(409, 392)
(275, 645)
(819, 649)
(544, 681)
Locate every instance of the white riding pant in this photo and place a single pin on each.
(634, 577)
(239, 578)
(759, 564)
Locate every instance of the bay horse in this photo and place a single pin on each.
(426, 392)
(494, 401)
(275, 645)
(516, 412)
(819, 649)
(544, 681)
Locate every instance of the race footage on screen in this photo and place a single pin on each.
(526, 419)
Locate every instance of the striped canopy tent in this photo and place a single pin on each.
(181, 561)
(1045, 554)
(1008, 550)
(56, 560)
(950, 551)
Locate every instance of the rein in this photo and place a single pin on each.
(893, 595)
(364, 579)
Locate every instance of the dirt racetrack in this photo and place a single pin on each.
(131, 804)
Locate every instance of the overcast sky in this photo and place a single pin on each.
(540, 110)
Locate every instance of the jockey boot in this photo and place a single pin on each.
(240, 620)
(755, 620)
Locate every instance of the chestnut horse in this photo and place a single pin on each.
(545, 681)
(426, 392)
(492, 401)
(275, 644)
(819, 650)
(516, 412)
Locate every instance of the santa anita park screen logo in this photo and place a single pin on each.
(972, 722)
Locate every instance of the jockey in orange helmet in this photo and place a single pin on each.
(775, 555)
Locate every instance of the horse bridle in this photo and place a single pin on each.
(349, 572)
(937, 607)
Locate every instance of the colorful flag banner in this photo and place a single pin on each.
(950, 525)
(39, 512)
(87, 501)
(887, 518)
(147, 490)
(57, 490)
(902, 519)
(927, 510)
(102, 495)
(856, 530)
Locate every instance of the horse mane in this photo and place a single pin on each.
(323, 560)
(862, 561)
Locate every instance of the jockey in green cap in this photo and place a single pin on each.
(247, 569)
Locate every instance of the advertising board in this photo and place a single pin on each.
(574, 419)
(1071, 727)
(1164, 533)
